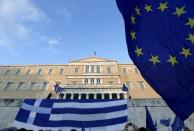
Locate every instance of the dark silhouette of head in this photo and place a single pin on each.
(73, 130)
(22, 129)
(142, 129)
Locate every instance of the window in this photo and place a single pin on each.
(76, 70)
(98, 69)
(141, 84)
(44, 85)
(74, 82)
(136, 70)
(20, 85)
(108, 69)
(7, 72)
(98, 81)
(110, 82)
(61, 71)
(8, 85)
(50, 71)
(128, 83)
(28, 71)
(86, 81)
(92, 69)
(92, 81)
(87, 68)
(32, 85)
(39, 71)
(17, 72)
(124, 70)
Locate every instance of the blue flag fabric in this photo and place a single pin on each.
(178, 124)
(61, 114)
(125, 88)
(160, 38)
(165, 122)
(58, 89)
(149, 121)
(83, 126)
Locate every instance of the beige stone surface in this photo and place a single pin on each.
(65, 75)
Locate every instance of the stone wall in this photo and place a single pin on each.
(136, 112)
(30, 81)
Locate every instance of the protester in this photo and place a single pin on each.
(130, 127)
(49, 95)
(186, 129)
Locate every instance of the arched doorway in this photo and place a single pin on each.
(61, 95)
(106, 96)
(91, 96)
(121, 96)
(68, 96)
(75, 96)
(114, 96)
(83, 96)
(98, 96)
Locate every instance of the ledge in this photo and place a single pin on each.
(131, 102)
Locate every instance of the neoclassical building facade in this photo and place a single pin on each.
(89, 78)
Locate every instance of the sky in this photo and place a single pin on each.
(56, 32)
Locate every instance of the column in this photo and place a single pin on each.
(64, 97)
(87, 96)
(79, 96)
(102, 96)
(89, 68)
(72, 96)
(125, 95)
(95, 96)
(95, 69)
(110, 96)
(118, 96)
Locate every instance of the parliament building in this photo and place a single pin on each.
(89, 78)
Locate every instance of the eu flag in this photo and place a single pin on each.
(160, 40)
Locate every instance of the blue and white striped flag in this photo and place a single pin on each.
(58, 89)
(125, 88)
(61, 114)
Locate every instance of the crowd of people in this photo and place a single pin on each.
(128, 127)
(132, 127)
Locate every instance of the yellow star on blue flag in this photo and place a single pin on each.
(165, 29)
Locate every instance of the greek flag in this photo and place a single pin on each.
(125, 88)
(61, 114)
(58, 89)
